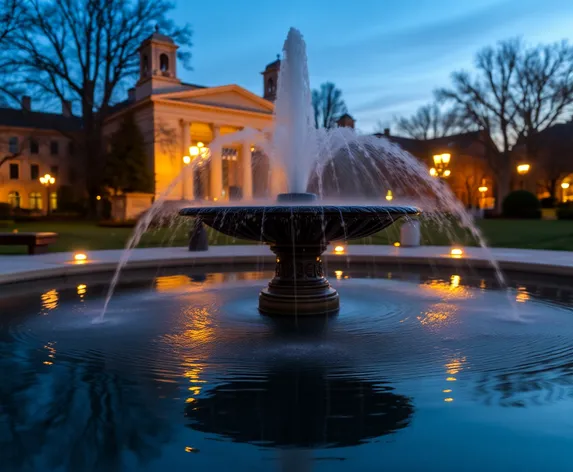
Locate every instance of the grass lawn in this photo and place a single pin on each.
(527, 234)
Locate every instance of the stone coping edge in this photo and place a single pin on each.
(70, 269)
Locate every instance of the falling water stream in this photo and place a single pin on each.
(301, 156)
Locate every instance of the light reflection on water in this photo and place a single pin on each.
(188, 375)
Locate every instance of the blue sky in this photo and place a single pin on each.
(386, 56)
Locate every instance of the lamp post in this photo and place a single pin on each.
(565, 188)
(482, 190)
(48, 181)
(186, 162)
(441, 163)
(523, 169)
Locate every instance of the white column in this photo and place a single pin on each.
(187, 184)
(247, 166)
(216, 183)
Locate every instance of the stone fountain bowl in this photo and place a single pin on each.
(284, 225)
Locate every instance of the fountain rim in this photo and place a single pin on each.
(311, 209)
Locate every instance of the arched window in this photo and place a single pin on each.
(144, 64)
(14, 199)
(53, 201)
(35, 201)
(163, 62)
(270, 85)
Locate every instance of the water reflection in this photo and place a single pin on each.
(74, 416)
(298, 406)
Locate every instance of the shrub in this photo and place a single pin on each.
(521, 204)
(5, 211)
(565, 211)
(548, 202)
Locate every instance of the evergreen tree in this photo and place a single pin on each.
(126, 166)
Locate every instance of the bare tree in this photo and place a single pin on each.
(328, 105)
(86, 51)
(11, 19)
(543, 91)
(486, 99)
(430, 121)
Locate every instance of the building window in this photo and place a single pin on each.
(144, 64)
(71, 148)
(34, 146)
(35, 201)
(163, 63)
(271, 85)
(53, 201)
(14, 171)
(14, 199)
(54, 171)
(34, 171)
(54, 148)
(13, 145)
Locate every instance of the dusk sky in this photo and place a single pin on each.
(386, 56)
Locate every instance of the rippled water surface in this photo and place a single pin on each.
(417, 372)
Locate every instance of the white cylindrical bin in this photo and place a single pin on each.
(410, 233)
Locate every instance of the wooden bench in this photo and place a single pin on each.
(37, 242)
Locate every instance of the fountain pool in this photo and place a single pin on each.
(419, 370)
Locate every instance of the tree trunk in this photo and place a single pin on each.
(503, 188)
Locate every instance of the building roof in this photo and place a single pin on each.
(157, 36)
(275, 64)
(423, 147)
(19, 118)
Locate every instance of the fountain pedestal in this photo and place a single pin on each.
(299, 286)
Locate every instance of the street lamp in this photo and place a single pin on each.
(523, 169)
(47, 180)
(565, 189)
(482, 190)
(441, 162)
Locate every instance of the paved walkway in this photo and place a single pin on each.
(21, 268)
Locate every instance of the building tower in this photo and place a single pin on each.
(157, 65)
(271, 78)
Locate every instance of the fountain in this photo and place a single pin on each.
(297, 229)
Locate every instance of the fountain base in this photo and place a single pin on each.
(299, 286)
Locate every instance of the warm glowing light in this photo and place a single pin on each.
(448, 400)
(433, 172)
(447, 390)
(523, 169)
(482, 189)
(442, 159)
(50, 299)
(252, 148)
(193, 151)
(80, 257)
(447, 173)
(339, 249)
(15, 231)
(565, 185)
(396, 244)
(338, 274)
(47, 180)
(200, 144)
(455, 281)
(48, 363)
(456, 251)
(98, 197)
(389, 196)
(191, 449)
(451, 379)
(522, 295)
(186, 160)
(81, 289)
